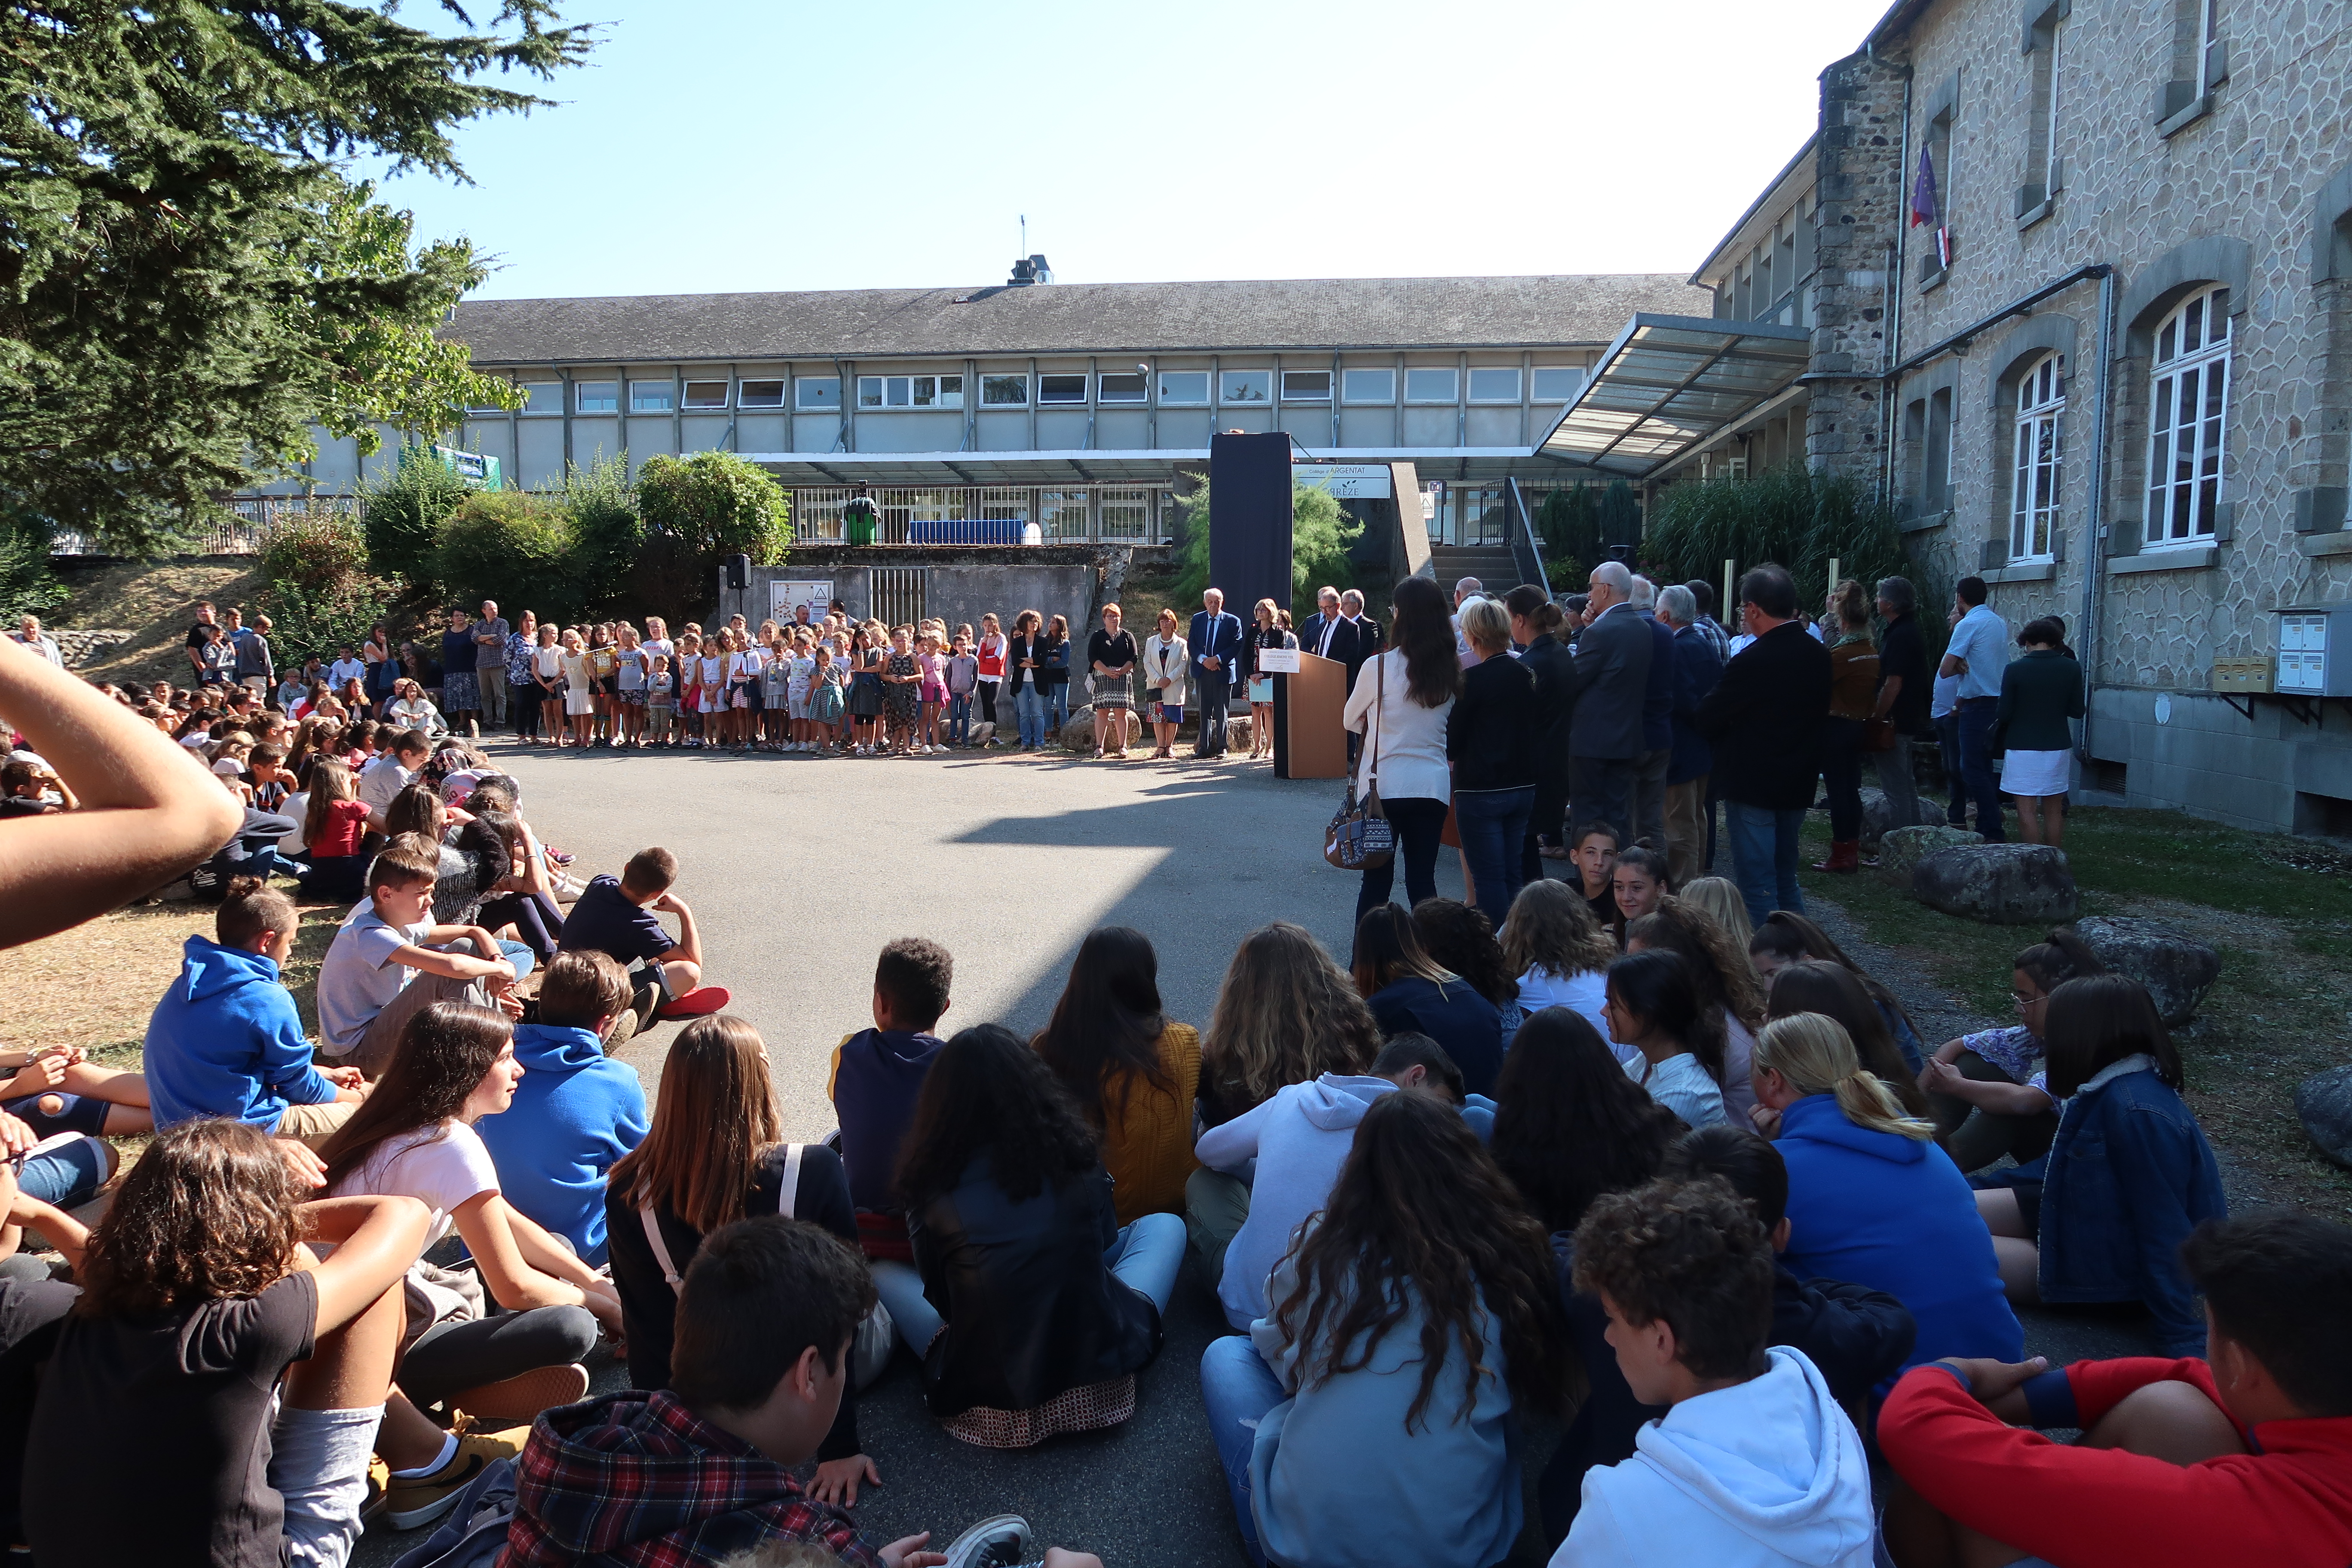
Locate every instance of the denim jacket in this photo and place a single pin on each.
(2128, 1178)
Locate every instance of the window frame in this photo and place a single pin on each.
(2037, 459)
(1518, 385)
(1323, 396)
(1047, 376)
(686, 404)
(1453, 375)
(743, 392)
(995, 379)
(1104, 394)
(1387, 399)
(1161, 379)
(803, 385)
(1534, 388)
(666, 390)
(2200, 493)
(1226, 378)
(608, 404)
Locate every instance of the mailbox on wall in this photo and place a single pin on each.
(2315, 650)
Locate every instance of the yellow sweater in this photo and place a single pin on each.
(1147, 1144)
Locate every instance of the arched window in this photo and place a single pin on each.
(2041, 440)
(2187, 406)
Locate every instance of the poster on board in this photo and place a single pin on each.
(787, 596)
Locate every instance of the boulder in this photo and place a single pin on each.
(1237, 733)
(2176, 972)
(2000, 884)
(2324, 1104)
(1878, 819)
(1903, 847)
(1077, 730)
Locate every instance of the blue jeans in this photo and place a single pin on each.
(1145, 1257)
(1238, 1388)
(518, 954)
(1057, 706)
(1492, 824)
(1976, 715)
(1764, 856)
(1029, 709)
(71, 1174)
(959, 718)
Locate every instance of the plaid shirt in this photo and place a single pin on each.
(639, 1479)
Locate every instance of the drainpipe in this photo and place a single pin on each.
(1889, 392)
(2095, 533)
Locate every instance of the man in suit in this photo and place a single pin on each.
(1535, 625)
(1613, 682)
(1215, 646)
(1657, 724)
(1765, 719)
(1368, 634)
(1323, 626)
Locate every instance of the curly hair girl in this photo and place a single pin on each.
(1286, 1014)
(208, 1214)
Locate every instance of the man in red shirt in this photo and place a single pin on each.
(2244, 1456)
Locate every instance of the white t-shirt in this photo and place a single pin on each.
(1681, 1085)
(345, 669)
(653, 647)
(359, 979)
(1580, 994)
(444, 1167)
(381, 779)
(296, 806)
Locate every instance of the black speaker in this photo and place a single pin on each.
(739, 572)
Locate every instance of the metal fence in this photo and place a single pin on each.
(254, 519)
(991, 514)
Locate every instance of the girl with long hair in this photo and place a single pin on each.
(547, 677)
(1462, 939)
(1654, 1010)
(1871, 1200)
(413, 1137)
(1719, 897)
(1402, 698)
(1973, 1083)
(1724, 984)
(715, 1154)
(1053, 657)
(1284, 1014)
(1787, 936)
(1815, 986)
(1559, 951)
(1410, 1320)
(1031, 1307)
(1570, 1125)
(334, 825)
(1411, 993)
(1133, 1071)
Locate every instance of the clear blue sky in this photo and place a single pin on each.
(734, 144)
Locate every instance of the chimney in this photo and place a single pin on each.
(1030, 269)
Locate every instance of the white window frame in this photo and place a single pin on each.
(1452, 385)
(2037, 460)
(1491, 400)
(608, 404)
(807, 397)
(1348, 378)
(993, 382)
(1536, 390)
(1290, 396)
(942, 395)
(743, 398)
(686, 399)
(1078, 376)
(1225, 380)
(1169, 400)
(666, 391)
(1142, 380)
(2185, 457)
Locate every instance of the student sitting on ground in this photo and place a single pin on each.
(877, 1078)
(689, 1476)
(389, 961)
(1571, 1125)
(391, 772)
(576, 1111)
(1133, 1071)
(59, 1089)
(1592, 847)
(334, 829)
(33, 1308)
(2240, 1456)
(2101, 1216)
(1459, 937)
(1872, 1199)
(197, 1295)
(226, 1040)
(1973, 1133)
(1787, 937)
(1561, 954)
(1654, 1008)
(1369, 1414)
(1408, 993)
(615, 916)
(1031, 1307)
(1812, 985)
(716, 1155)
(1754, 1464)
(415, 1137)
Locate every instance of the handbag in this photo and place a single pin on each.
(1360, 836)
(1878, 734)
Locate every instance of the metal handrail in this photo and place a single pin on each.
(1527, 548)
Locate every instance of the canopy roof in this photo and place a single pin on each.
(1668, 384)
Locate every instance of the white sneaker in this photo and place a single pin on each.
(998, 1543)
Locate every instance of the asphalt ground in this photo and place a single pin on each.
(798, 868)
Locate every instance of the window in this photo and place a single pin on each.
(597, 396)
(1245, 386)
(909, 392)
(1367, 385)
(1430, 386)
(2199, 59)
(759, 394)
(2042, 172)
(817, 392)
(1306, 386)
(1936, 485)
(1932, 205)
(485, 408)
(2187, 407)
(706, 395)
(938, 391)
(1495, 383)
(1004, 392)
(1559, 384)
(1183, 386)
(1061, 389)
(1128, 386)
(650, 396)
(543, 398)
(2034, 491)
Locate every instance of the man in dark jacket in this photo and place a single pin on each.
(1535, 625)
(1696, 669)
(1214, 647)
(1657, 724)
(1764, 719)
(1613, 682)
(1903, 691)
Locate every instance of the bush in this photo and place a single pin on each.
(1322, 534)
(404, 513)
(27, 586)
(608, 537)
(1798, 517)
(514, 546)
(1569, 522)
(715, 504)
(317, 592)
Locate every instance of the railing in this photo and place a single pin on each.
(255, 519)
(988, 514)
(1527, 548)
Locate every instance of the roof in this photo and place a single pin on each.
(1766, 197)
(1319, 313)
(1669, 382)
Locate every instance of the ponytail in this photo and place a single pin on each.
(1816, 1055)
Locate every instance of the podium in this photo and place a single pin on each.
(1309, 740)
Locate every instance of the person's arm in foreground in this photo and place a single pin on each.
(1996, 1095)
(149, 809)
(1231, 1145)
(689, 943)
(376, 1239)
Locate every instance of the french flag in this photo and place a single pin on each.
(1924, 207)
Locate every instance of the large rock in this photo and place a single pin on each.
(1903, 847)
(1077, 730)
(2000, 884)
(2323, 1103)
(1878, 819)
(2176, 971)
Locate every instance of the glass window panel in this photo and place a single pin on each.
(1061, 389)
(543, 398)
(1306, 386)
(817, 392)
(1558, 383)
(1247, 387)
(761, 394)
(1004, 391)
(1369, 385)
(650, 396)
(1127, 386)
(1432, 385)
(894, 390)
(706, 395)
(597, 396)
(1495, 383)
(1184, 386)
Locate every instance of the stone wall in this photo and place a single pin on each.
(1858, 186)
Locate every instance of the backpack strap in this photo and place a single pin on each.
(661, 1248)
(788, 1194)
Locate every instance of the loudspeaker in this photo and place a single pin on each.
(1249, 519)
(739, 572)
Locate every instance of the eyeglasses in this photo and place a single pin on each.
(2023, 1001)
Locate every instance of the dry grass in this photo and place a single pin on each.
(155, 602)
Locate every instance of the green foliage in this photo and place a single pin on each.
(514, 546)
(1322, 534)
(1798, 517)
(608, 535)
(1569, 522)
(715, 504)
(1620, 516)
(404, 513)
(186, 280)
(26, 585)
(317, 589)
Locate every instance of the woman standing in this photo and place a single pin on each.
(1133, 1070)
(382, 667)
(1057, 674)
(461, 696)
(864, 693)
(2037, 694)
(1265, 632)
(1164, 656)
(1490, 738)
(1854, 698)
(1023, 658)
(1401, 705)
(1110, 656)
(993, 672)
(522, 690)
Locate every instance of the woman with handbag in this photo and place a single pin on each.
(1854, 697)
(1164, 670)
(1401, 701)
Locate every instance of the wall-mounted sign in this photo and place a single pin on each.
(786, 596)
(1345, 481)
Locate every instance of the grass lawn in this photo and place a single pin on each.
(2278, 909)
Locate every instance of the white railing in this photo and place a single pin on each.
(990, 514)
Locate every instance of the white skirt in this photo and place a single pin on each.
(579, 699)
(2034, 773)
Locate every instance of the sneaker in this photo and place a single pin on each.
(413, 1500)
(516, 1400)
(999, 1542)
(696, 1002)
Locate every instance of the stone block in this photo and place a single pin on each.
(2323, 1103)
(1878, 817)
(1077, 730)
(1902, 849)
(1999, 884)
(2176, 972)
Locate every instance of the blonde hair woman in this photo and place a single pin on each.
(1166, 658)
(1559, 951)
(1872, 1199)
(1265, 632)
(1720, 898)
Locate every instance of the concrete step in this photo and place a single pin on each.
(1493, 566)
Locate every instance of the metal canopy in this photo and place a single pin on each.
(1669, 382)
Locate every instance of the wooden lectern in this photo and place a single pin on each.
(1309, 742)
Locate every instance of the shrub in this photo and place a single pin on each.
(715, 504)
(27, 586)
(514, 546)
(404, 513)
(316, 591)
(1569, 522)
(608, 537)
(1322, 534)
(1798, 517)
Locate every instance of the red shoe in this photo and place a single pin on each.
(695, 1003)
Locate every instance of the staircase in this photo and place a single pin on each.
(1491, 565)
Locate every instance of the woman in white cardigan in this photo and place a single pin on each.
(1165, 656)
(1400, 706)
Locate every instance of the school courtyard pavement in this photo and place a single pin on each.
(799, 868)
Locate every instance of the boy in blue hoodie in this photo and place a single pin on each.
(226, 1040)
(877, 1074)
(576, 1110)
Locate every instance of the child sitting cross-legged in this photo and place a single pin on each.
(877, 1075)
(389, 961)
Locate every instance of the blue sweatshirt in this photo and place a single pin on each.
(226, 1040)
(877, 1074)
(576, 1111)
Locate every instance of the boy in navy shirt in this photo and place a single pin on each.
(616, 916)
(877, 1074)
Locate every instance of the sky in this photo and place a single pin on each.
(716, 146)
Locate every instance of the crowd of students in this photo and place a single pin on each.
(1700, 1183)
